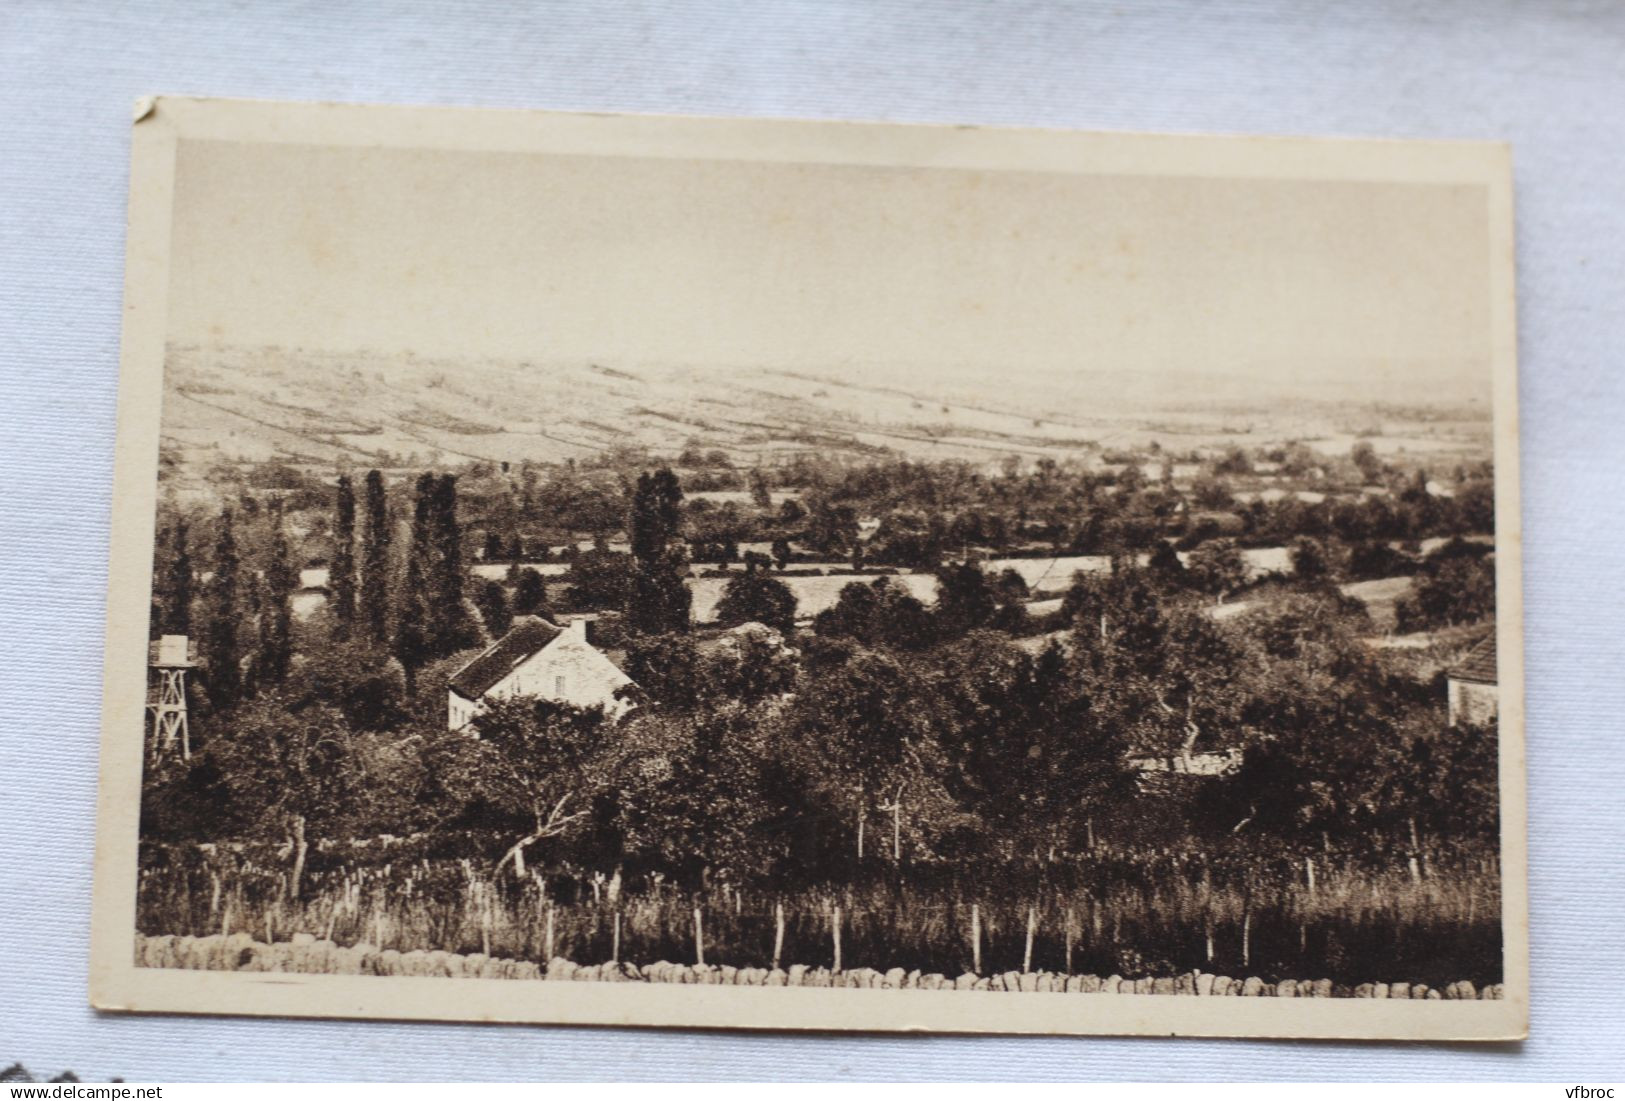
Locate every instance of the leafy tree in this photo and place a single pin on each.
(1298, 459)
(539, 760)
(1453, 782)
(1211, 493)
(1216, 567)
(1475, 507)
(1025, 752)
(1321, 627)
(492, 602)
(362, 681)
(1164, 565)
(1309, 561)
(1365, 460)
(831, 528)
(965, 600)
(289, 772)
(754, 597)
(748, 666)
(760, 495)
(598, 579)
(530, 594)
(1458, 590)
(1011, 592)
(1373, 559)
(666, 666)
(880, 613)
(696, 796)
(1233, 461)
(375, 561)
(342, 572)
(870, 721)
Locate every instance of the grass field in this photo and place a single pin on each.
(1124, 913)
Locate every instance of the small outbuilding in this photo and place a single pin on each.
(1474, 694)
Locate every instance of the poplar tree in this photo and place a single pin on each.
(456, 627)
(276, 609)
(411, 637)
(657, 504)
(420, 564)
(175, 613)
(375, 563)
(342, 575)
(657, 600)
(220, 648)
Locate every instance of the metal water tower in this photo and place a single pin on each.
(167, 700)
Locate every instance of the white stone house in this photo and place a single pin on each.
(541, 659)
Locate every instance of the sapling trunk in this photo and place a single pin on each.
(1032, 927)
(300, 848)
(976, 938)
(835, 932)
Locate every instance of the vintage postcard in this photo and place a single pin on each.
(803, 575)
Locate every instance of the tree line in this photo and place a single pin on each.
(889, 734)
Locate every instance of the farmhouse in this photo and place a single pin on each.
(1472, 686)
(542, 659)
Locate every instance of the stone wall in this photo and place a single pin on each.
(304, 954)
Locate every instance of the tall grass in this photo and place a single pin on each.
(1126, 913)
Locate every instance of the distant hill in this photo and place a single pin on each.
(325, 408)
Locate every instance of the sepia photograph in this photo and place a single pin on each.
(769, 574)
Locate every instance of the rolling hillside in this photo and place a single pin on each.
(253, 404)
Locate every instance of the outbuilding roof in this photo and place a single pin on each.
(523, 641)
(1479, 666)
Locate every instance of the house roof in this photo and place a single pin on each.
(523, 641)
(1479, 665)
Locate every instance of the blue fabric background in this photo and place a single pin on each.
(1547, 76)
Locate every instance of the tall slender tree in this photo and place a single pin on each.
(456, 627)
(657, 509)
(421, 567)
(175, 612)
(657, 600)
(276, 608)
(375, 563)
(341, 579)
(221, 650)
(411, 634)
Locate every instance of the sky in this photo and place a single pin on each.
(636, 262)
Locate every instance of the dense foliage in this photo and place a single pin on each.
(886, 738)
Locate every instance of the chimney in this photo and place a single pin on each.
(578, 628)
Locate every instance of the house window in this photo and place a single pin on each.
(558, 685)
